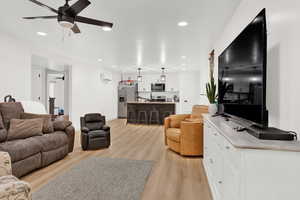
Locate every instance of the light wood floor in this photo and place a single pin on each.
(173, 177)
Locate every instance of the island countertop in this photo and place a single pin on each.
(149, 112)
(138, 102)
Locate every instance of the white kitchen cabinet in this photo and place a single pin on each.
(240, 167)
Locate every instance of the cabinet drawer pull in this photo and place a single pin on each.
(215, 134)
(227, 147)
(211, 161)
(220, 182)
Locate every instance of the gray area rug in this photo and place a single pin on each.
(99, 179)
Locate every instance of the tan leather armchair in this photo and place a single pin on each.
(184, 133)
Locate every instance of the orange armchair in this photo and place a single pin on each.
(184, 133)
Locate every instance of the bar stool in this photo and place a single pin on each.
(131, 116)
(154, 116)
(143, 114)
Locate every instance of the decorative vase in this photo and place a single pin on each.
(212, 109)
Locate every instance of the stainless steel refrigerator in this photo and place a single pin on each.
(126, 93)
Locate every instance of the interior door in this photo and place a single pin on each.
(37, 86)
(186, 105)
(190, 96)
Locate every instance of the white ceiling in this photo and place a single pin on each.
(145, 32)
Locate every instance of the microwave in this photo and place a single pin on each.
(158, 87)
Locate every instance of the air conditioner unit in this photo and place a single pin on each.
(106, 77)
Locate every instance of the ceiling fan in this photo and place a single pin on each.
(67, 15)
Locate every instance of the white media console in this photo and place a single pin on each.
(242, 167)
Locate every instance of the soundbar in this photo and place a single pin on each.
(271, 133)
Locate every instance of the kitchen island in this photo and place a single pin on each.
(140, 112)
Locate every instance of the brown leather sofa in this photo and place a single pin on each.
(34, 152)
(184, 133)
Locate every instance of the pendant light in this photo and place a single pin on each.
(163, 76)
(139, 77)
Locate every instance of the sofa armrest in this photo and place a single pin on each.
(70, 131)
(61, 125)
(191, 140)
(106, 128)
(84, 140)
(5, 164)
(85, 129)
(167, 123)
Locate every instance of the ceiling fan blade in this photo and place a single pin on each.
(41, 17)
(77, 7)
(93, 22)
(75, 29)
(45, 6)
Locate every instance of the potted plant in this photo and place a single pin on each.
(211, 87)
(211, 93)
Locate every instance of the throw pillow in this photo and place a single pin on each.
(25, 128)
(61, 125)
(47, 123)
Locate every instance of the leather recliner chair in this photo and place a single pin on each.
(94, 133)
(184, 133)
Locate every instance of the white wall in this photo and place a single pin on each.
(90, 94)
(15, 68)
(283, 55)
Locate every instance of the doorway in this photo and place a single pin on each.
(57, 92)
(51, 85)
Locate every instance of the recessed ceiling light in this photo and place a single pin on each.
(41, 33)
(182, 23)
(183, 57)
(100, 60)
(105, 28)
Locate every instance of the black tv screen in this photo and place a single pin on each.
(242, 74)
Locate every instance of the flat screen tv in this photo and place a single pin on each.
(242, 74)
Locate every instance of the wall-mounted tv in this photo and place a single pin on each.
(242, 74)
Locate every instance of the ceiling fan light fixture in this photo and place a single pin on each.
(66, 24)
(106, 28)
(67, 15)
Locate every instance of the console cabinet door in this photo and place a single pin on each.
(206, 142)
(230, 184)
